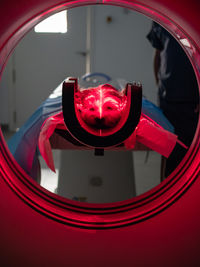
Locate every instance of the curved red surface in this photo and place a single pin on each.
(159, 228)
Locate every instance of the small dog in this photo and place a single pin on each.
(101, 107)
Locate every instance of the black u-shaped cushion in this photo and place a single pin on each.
(94, 141)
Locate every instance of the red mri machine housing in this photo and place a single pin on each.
(159, 228)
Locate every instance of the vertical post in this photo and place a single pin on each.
(90, 39)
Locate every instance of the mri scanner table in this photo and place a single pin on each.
(24, 144)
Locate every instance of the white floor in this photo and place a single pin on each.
(146, 171)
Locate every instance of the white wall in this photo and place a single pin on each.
(120, 48)
(42, 61)
(5, 98)
(4, 106)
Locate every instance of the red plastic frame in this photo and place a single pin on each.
(152, 211)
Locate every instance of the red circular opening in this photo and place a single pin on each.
(101, 215)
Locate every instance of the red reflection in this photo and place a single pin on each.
(101, 110)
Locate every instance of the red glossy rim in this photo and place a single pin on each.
(103, 216)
